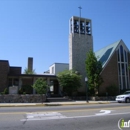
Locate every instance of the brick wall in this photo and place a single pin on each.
(15, 70)
(109, 74)
(4, 70)
(27, 81)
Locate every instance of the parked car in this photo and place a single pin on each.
(125, 97)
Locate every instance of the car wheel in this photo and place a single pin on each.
(127, 100)
(119, 101)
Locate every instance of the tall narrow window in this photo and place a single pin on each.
(125, 56)
(126, 69)
(118, 55)
(122, 55)
(119, 69)
(124, 83)
(121, 52)
(128, 86)
(123, 69)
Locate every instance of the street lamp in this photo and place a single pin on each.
(86, 79)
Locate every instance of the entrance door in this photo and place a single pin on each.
(56, 87)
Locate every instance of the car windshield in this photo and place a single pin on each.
(126, 92)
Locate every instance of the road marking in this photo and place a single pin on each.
(104, 112)
(43, 116)
(64, 117)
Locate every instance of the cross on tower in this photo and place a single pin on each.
(80, 10)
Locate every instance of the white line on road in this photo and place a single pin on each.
(43, 116)
(104, 112)
(64, 117)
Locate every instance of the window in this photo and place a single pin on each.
(125, 56)
(119, 69)
(121, 53)
(123, 72)
(118, 55)
(126, 69)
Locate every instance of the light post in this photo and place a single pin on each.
(86, 79)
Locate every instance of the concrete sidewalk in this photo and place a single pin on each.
(54, 103)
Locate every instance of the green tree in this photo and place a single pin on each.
(70, 81)
(27, 71)
(93, 69)
(40, 86)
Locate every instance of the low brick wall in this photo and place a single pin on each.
(16, 98)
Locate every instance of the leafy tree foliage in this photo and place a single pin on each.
(27, 71)
(93, 69)
(40, 86)
(70, 81)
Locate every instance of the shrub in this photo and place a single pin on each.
(24, 93)
(6, 91)
(26, 89)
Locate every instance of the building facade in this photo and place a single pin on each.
(58, 67)
(115, 59)
(12, 76)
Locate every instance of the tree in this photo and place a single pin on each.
(70, 81)
(40, 86)
(93, 69)
(27, 71)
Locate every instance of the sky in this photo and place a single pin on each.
(40, 28)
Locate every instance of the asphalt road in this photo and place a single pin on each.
(83, 117)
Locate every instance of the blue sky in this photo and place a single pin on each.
(40, 28)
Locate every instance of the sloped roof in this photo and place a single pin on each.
(105, 53)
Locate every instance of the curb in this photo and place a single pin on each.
(51, 104)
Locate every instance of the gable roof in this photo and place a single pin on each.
(105, 53)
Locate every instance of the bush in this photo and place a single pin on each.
(2, 93)
(6, 91)
(24, 93)
(26, 89)
(20, 91)
(70, 81)
(40, 86)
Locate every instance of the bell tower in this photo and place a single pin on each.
(80, 42)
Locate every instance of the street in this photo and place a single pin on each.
(76, 117)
